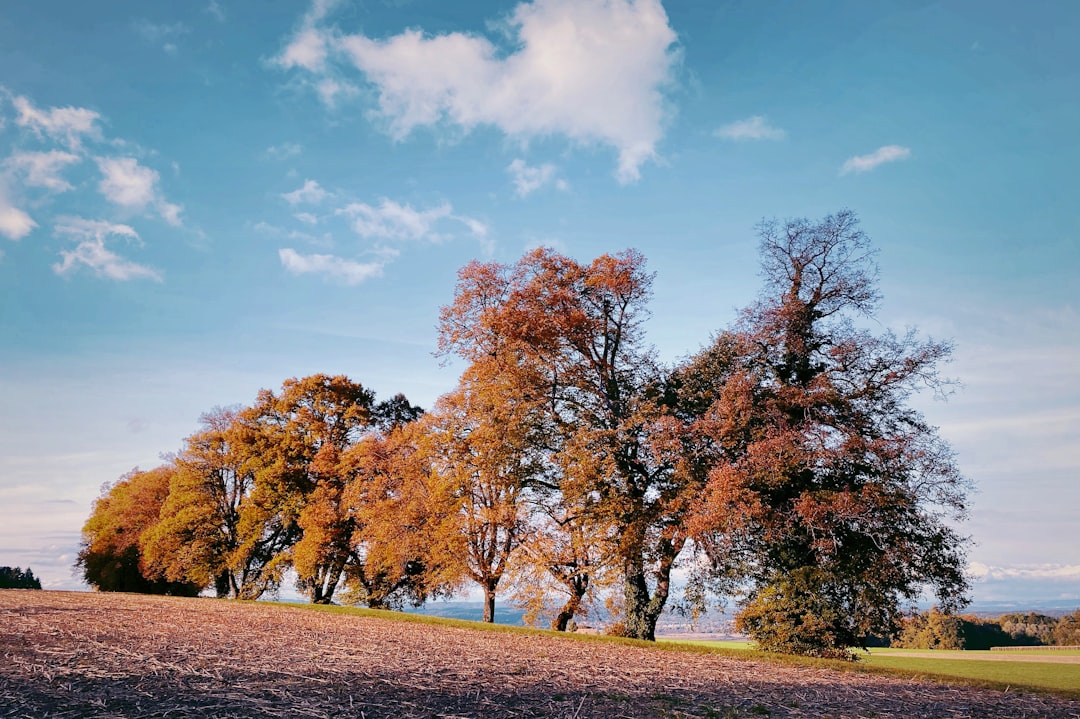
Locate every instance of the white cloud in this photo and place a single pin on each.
(307, 218)
(133, 186)
(865, 163)
(42, 169)
(66, 124)
(165, 33)
(529, 179)
(92, 252)
(126, 182)
(590, 70)
(1058, 572)
(310, 194)
(284, 151)
(308, 49)
(752, 128)
(395, 222)
(14, 223)
(215, 9)
(348, 271)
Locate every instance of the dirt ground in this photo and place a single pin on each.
(105, 655)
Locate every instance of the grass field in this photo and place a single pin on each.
(1005, 670)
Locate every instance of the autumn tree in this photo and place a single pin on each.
(568, 338)
(829, 497)
(480, 444)
(198, 536)
(110, 558)
(393, 497)
(296, 503)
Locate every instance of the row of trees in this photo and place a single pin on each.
(17, 578)
(781, 463)
(935, 630)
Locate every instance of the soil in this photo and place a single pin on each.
(72, 654)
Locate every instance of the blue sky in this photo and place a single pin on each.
(199, 200)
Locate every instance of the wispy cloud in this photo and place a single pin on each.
(590, 70)
(390, 220)
(752, 128)
(164, 33)
(880, 156)
(348, 271)
(216, 11)
(1058, 572)
(310, 194)
(528, 179)
(284, 151)
(43, 169)
(65, 124)
(128, 184)
(90, 250)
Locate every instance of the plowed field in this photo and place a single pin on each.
(105, 655)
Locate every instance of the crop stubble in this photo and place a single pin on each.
(116, 655)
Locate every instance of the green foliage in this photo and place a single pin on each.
(936, 630)
(17, 578)
(800, 613)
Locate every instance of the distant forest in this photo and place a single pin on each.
(16, 578)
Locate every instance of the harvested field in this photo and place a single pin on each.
(101, 655)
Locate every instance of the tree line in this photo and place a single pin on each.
(18, 578)
(935, 630)
(780, 464)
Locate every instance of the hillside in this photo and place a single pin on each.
(112, 655)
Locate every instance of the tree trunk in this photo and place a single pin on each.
(489, 601)
(573, 604)
(643, 610)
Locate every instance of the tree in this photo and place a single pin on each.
(198, 536)
(826, 491)
(1067, 632)
(479, 444)
(297, 499)
(567, 337)
(930, 630)
(18, 579)
(110, 557)
(398, 515)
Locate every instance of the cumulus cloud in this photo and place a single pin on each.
(865, 163)
(310, 194)
(65, 124)
(43, 169)
(752, 128)
(338, 268)
(126, 183)
(14, 223)
(529, 179)
(133, 186)
(590, 70)
(90, 250)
